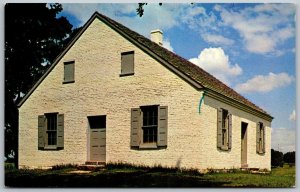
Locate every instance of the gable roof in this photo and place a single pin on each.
(185, 69)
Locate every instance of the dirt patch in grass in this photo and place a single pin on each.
(79, 172)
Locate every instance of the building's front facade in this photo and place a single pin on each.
(109, 98)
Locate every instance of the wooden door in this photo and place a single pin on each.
(97, 138)
(244, 144)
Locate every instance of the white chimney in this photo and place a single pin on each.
(157, 36)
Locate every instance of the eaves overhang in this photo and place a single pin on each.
(237, 104)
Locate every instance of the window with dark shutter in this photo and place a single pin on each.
(149, 126)
(60, 131)
(219, 128)
(162, 126)
(229, 130)
(150, 121)
(224, 129)
(260, 138)
(41, 131)
(69, 72)
(135, 127)
(127, 63)
(51, 131)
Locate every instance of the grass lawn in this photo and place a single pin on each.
(279, 177)
(117, 176)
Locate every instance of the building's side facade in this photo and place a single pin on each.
(100, 89)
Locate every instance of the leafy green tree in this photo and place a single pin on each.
(34, 36)
(289, 157)
(140, 9)
(276, 158)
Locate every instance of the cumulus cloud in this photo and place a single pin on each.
(217, 39)
(216, 62)
(262, 27)
(166, 44)
(154, 17)
(283, 139)
(199, 20)
(293, 116)
(266, 83)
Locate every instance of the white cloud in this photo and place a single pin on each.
(166, 44)
(266, 83)
(217, 39)
(283, 139)
(262, 27)
(216, 62)
(293, 116)
(155, 16)
(197, 19)
(194, 11)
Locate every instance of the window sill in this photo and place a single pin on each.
(66, 82)
(126, 74)
(148, 146)
(224, 148)
(51, 148)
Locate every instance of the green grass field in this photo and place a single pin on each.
(279, 177)
(117, 176)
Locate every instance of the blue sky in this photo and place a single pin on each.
(250, 47)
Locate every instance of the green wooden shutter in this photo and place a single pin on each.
(229, 131)
(41, 131)
(69, 70)
(264, 139)
(219, 128)
(257, 137)
(60, 131)
(162, 135)
(135, 127)
(127, 63)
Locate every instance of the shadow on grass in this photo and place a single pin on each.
(108, 179)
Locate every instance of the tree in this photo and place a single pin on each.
(276, 158)
(34, 36)
(140, 9)
(289, 157)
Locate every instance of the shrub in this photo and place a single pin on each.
(10, 166)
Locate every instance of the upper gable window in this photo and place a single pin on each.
(69, 70)
(127, 63)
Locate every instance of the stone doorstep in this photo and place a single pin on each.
(95, 163)
(79, 172)
(92, 166)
